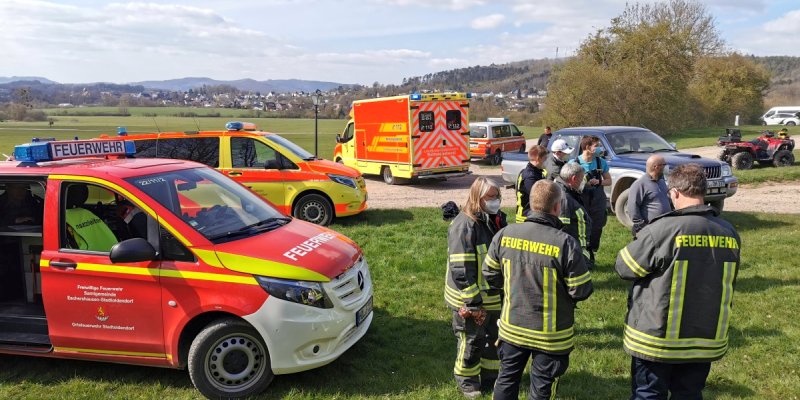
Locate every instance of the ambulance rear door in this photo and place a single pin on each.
(93, 306)
(440, 133)
(382, 127)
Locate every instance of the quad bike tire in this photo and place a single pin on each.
(742, 160)
(723, 156)
(783, 158)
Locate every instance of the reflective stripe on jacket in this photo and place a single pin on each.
(543, 275)
(467, 242)
(683, 266)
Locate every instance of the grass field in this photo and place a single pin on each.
(301, 131)
(409, 349)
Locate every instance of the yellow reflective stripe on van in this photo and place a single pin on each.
(258, 266)
(677, 291)
(728, 272)
(114, 352)
(130, 197)
(157, 272)
(631, 263)
(208, 257)
(579, 280)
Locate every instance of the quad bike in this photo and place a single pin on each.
(766, 149)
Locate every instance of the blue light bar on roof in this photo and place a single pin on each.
(234, 126)
(416, 96)
(469, 95)
(122, 131)
(59, 150)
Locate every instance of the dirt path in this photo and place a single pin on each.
(759, 198)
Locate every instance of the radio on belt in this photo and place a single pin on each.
(38, 151)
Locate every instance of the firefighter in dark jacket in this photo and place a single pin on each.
(542, 274)
(573, 215)
(475, 307)
(527, 177)
(683, 266)
(559, 155)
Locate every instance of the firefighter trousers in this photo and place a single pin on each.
(476, 355)
(545, 370)
(652, 380)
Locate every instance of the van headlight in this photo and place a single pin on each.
(300, 292)
(344, 180)
(726, 170)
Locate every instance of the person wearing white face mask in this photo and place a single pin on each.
(475, 308)
(559, 155)
(573, 214)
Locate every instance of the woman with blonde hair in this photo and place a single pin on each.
(475, 308)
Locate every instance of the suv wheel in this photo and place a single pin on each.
(742, 160)
(621, 209)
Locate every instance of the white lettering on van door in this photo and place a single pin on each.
(308, 246)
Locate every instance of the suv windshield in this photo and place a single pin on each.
(637, 142)
(289, 145)
(215, 206)
(477, 132)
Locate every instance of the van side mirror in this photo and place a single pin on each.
(132, 250)
(338, 139)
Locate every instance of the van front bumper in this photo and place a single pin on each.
(301, 337)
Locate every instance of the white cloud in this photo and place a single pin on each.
(774, 37)
(448, 4)
(487, 22)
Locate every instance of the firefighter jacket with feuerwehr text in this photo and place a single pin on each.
(683, 266)
(543, 275)
(525, 180)
(467, 242)
(573, 215)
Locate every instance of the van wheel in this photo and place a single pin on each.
(228, 359)
(621, 209)
(387, 176)
(783, 158)
(496, 158)
(742, 160)
(314, 208)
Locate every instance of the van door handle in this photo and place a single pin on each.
(234, 173)
(63, 264)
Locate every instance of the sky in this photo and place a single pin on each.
(343, 41)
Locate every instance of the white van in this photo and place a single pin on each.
(776, 115)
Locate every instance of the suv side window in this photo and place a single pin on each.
(572, 140)
(250, 153)
(202, 150)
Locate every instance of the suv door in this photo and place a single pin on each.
(260, 167)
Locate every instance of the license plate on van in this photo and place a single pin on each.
(364, 312)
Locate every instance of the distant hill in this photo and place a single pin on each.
(4, 79)
(785, 83)
(270, 85)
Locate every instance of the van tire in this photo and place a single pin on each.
(496, 158)
(314, 208)
(386, 173)
(228, 359)
(621, 208)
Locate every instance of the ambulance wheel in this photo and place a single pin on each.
(496, 158)
(386, 173)
(621, 208)
(314, 208)
(228, 359)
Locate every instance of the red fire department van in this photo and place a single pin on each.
(291, 178)
(168, 263)
(416, 136)
(488, 140)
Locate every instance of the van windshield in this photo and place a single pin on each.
(212, 204)
(291, 146)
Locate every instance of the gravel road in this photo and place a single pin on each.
(434, 193)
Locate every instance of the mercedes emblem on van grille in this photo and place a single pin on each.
(361, 280)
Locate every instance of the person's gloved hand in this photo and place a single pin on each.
(479, 316)
(464, 312)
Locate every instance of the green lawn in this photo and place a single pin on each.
(408, 352)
